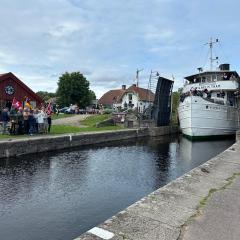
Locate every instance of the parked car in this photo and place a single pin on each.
(63, 110)
(82, 111)
(70, 111)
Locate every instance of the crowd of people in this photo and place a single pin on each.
(196, 92)
(18, 121)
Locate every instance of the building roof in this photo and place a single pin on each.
(115, 96)
(5, 76)
(2, 74)
(143, 93)
(110, 97)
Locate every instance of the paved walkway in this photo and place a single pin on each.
(73, 120)
(220, 218)
(203, 204)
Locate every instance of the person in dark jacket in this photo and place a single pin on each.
(5, 120)
(13, 119)
(32, 122)
(25, 120)
(49, 119)
(20, 120)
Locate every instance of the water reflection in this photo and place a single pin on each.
(61, 195)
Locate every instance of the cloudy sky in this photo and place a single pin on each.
(107, 40)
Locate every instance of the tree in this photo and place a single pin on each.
(73, 88)
(92, 95)
(45, 95)
(175, 102)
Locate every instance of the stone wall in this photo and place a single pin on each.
(17, 147)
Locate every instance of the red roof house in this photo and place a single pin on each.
(112, 97)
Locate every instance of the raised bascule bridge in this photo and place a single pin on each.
(159, 111)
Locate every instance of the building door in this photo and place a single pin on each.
(2, 104)
(9, 104)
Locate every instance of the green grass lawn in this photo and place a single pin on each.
(92, 120)
(61, 115)
(60, 129)
(89, 126)
(63, 129)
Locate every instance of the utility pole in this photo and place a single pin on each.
(137, 76)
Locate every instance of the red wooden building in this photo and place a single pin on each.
(11, 86)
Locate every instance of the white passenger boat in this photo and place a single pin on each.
(209, 103)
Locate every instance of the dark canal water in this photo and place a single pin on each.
(61, 195)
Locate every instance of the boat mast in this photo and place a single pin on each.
(211, 43)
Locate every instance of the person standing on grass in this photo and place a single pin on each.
(13, 119)
(49, 111)
(25, 120)
(31, 121)
(5, 120)
(45, 120)
(40, 119)
(35, 115)
(20, 120)
(49, 119)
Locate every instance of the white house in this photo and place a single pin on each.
(131, 98)
(137, 98)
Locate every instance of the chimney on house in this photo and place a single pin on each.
(134, 84)
(123, 87)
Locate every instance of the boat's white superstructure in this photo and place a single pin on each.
(209, 104)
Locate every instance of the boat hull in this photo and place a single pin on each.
(200, 118)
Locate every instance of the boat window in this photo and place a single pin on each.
(233, 77)
(208, 78)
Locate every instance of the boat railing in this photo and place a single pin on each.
(206, 95)
(209, 99)
(212, 80)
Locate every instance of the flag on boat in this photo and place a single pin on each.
(16, 104)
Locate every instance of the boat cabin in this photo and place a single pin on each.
(221, 86)
(223, 74)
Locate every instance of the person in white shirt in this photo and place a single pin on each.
(40, 120)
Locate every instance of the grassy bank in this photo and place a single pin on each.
(63, 129)
(60, 129)
(91, 121)
(89, 126)
(61, 115)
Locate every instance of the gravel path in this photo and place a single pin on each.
(71, 120)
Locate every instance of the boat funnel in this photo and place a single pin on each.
(224, 67)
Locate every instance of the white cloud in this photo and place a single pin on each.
(108, 40)
(7, 59)
(65, 29)
(159, 34)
